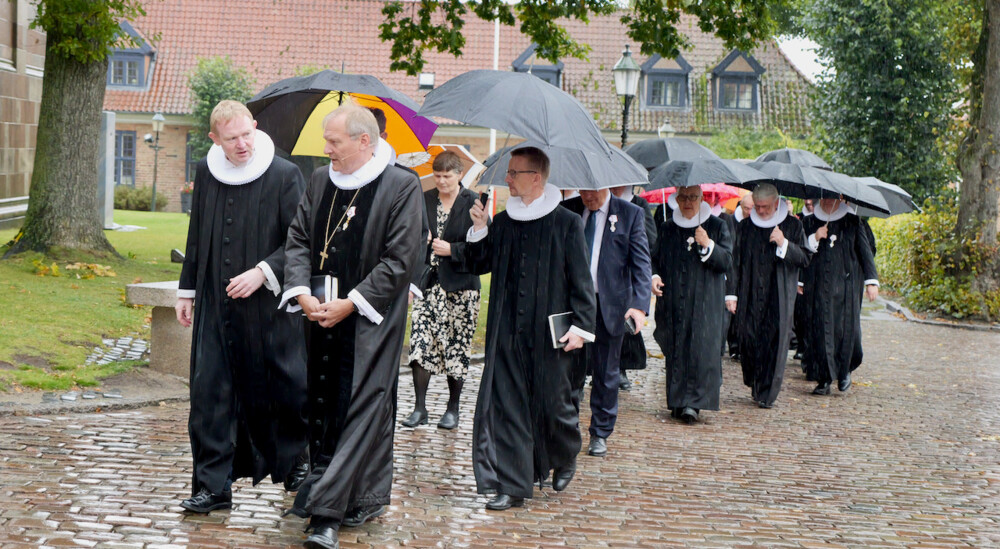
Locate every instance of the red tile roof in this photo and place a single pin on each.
(272, 38)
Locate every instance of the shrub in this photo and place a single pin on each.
(916, 257)
(138, 199)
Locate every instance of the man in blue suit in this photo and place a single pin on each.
(619, 265)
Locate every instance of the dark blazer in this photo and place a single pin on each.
(623, 270)
(451, 274)
(647, 219)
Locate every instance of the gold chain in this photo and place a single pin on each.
(327, 235)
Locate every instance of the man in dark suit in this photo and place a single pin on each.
(619, 266)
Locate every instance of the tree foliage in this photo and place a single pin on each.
(212, 80)
(884, 104)
(417, 27)
(83, 30)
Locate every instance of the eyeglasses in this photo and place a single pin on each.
(513, 173)
(692, 198)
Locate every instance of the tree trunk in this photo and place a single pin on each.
(979, 153)
(62, 204)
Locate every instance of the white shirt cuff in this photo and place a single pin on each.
(871, 282)
(781, 251)
(288, 298)
(270, 281)
(475, 236)
(187, 294)
(365, 309)
(730, 298)
(656, 276)
(802, 285)
(711, 248)
(417, 294)
(587, 336)
(813, 243)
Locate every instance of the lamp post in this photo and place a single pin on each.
(626, 73)
(154, 143)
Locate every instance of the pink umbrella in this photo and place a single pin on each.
(714, 193)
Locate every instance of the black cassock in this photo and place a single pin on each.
(525, 422)
(765, 286)
(690, 314)
(248, 373)
(833, 290)
(354, 366)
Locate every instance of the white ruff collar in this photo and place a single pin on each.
(738, 213)
(703, 214)
(230, 174)
(539, 207)
(367, 173)
(839, 213)
(776, 219)
(805, 213)
(716, 210)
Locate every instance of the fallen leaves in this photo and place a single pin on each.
(90, 270)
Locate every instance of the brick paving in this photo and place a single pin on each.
(910, 457)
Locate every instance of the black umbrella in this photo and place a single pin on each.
(291, 111)
(572, 168)
(517, 103)
(899, 201)
(794, 156)
(654, 152)
(806, 182)
(688, 173)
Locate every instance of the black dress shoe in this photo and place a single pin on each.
(689, 415)
(296, 477)
(765, 405)
(448, 421)
(798, 355)
(822, 389)
(675, 413)
(624, 383)
(502, 502)
(205, 501)
(418, 417)
(562, 476)
(844, 384)
(361, 515)
(323, 536)
(598, 447)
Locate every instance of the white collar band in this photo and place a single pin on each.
(839, 213)
(539, 207)
(228, 173)
(367, 173)
(738, 213)
(806, 213)
(775, 220)
(703, 214)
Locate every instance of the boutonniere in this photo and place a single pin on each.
(690, 242)
(613, 219)
(350, 215)
(833, 240)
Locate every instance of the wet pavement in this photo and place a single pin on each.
(910, 456)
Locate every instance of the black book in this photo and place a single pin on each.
(559, 324)
(324, 287)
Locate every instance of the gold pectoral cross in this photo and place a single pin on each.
(323, 255)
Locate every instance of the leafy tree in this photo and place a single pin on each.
(884, 104)
(62, 204)
(212, 80)
(416, 27)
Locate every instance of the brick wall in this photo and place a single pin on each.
(22, 58)
(170, 171)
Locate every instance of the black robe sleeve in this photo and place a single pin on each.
(865, 250)
(189, 269)
(721, 259)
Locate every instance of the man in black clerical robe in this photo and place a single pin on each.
(692, 256)
(526, 423)
(762, 292)
(359, 224)
(633, 355)
(841, 268)
(248, 374)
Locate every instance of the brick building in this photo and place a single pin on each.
(706, 89)
(22, 61)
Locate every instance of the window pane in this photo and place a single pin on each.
(128, 145)
(133, 73)
(656, 92)
(745, 96)
(728, 95)
(673, 97)
(127, 173)
(117, 72)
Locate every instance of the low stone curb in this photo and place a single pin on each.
(894, 307)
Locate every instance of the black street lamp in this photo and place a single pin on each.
(626, 73)
(154, 143)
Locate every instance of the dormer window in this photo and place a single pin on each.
(530, 63)
(736, 83)
(666, 82)
(131, 66)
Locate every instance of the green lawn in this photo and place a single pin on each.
(49, 324)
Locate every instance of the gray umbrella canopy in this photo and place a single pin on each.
(572, 168)
(899, 201)
(653, 152)
(794, 156)
(806, 182)
(688, 173)
(517, 103)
